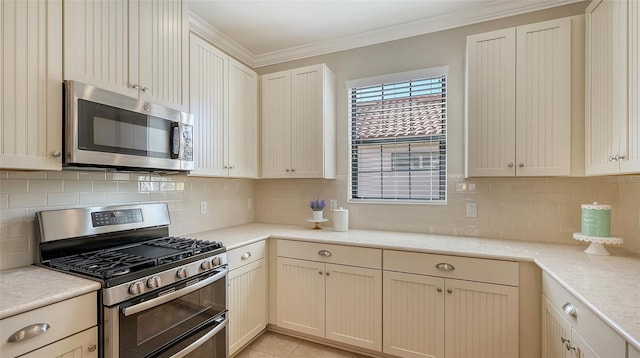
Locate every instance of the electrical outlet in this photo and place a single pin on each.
(472, 210)
(333, 204)
(203, 207)
(249, 204)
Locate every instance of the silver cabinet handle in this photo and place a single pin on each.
(439, 289)
(612, 158)
(135, 86)
(510, 165)
(288, 170)
(618, 156)
(202, 340)
(29, 332)
(146, 89)
(245, 256)
(521, 165)
(449, 290)
(56, 153)
(569, 309)
(92, 348)
(567, 344)
(325, 253)
(232, 167)
(445, 266)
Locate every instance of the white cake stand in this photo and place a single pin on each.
(596, 247)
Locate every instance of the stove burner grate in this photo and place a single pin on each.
(197, 246)
(103, 264)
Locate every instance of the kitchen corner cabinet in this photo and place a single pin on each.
(518, 101)
(570, 329)
(330, 291)
(299, 123)
(224, 102)
(31, 84)
(445, 306)
(612, 112)
(72, 330)
(247, 294)
(138, 48)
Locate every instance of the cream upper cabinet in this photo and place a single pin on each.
(31, 84)
(224, 103)
(518, 110)
(299, 123)
(136, 47)
(330, 291)
(612, 111)
(433, 308)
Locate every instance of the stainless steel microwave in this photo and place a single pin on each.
(104, 129)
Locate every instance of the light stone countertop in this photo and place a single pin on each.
(29, 287)
(606, 284)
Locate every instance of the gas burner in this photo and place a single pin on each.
(103, 264)
(197, 246)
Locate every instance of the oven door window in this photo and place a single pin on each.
(209, 342)
(156, 328)
(103, 128)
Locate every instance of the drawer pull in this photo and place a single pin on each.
(445, 267)
(325, 253)
(569, 309)
(92, 348)
(29, 332)
(246, 255)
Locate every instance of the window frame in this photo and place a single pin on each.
(441, 140)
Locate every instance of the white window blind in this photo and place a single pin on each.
(398, 139)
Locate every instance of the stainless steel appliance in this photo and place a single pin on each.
(104, 129)
(161, 296)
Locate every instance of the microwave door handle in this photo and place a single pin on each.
(175, 140)
(193, 346)
(171, 296)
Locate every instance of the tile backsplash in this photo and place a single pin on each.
(22, 194)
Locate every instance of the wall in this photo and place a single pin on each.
(538, 209)
(22, 194)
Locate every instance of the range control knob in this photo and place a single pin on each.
(136, 288)
(206, 265)
(216, 261)
(154, 282)
(182, 272)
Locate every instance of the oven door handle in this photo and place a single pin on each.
(131, 310)
(202, 340)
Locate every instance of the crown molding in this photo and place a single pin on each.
(471, 15)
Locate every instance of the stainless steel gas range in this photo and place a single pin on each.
(161, 296)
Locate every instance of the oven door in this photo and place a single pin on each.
(153, 323)
(209, 342)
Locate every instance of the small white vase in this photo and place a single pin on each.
(317, 214)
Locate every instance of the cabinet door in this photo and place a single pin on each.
(413, 313)
(631, 164)
(209, 68)
(606, 85)
(100, 44)
(30, 84)
(579, 347)
(301, 296)
(163, 62)
(354, 306)
(543, 90)
(276, 125)
(481, 319)
(555, 330)
(491, 111)
(307, 122)
(80, 345)
(243, 121)
(247, 303)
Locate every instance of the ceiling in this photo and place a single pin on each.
(263, 32)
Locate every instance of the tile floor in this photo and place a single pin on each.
(275, 345)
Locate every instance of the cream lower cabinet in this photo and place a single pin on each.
(571, 330)
(31, 84)
(428, 313)
(80, 345)
(334, 300)
(247, 294)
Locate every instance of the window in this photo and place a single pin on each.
(398, 137)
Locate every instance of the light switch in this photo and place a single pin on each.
(472, 210)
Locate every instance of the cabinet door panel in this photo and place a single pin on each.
(307, 122)
(247, 303)
(413, 313)
(543, 138)
(301, 296)
(481, 320)
(243, 121)
(354, 306)
(276, 125)
(80, 345)
(208, 105)
(554, 330)
(632, 163)
(491, 108)
(30, 84)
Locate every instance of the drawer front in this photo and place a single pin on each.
(463, 268)
(600, 337)
(246, 254)
(64, 319)
(335, 254)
